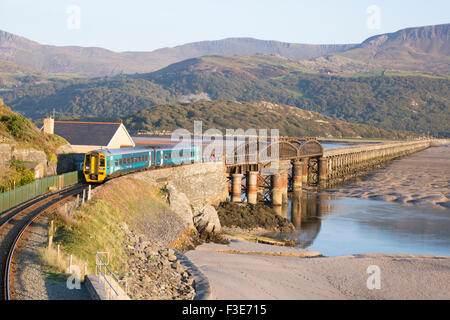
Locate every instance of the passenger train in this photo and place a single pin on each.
(106, 163)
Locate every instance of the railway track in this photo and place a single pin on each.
(15, 222)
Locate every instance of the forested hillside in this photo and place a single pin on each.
(390, 101)
(290, 121)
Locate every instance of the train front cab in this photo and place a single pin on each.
(94, 167)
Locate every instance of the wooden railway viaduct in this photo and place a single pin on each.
(297, 164)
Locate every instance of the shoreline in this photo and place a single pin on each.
(243, 270)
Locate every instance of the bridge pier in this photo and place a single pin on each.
(236, 195)
(297, 178)
(305, 162)
(284, 186)
(277, 192)
(323, 166)
(252, 187)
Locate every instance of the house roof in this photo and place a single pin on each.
(86, 133)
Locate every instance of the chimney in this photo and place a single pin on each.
(49, 125)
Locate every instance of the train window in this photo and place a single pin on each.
(116, 163)
(102, 162)
(166, 156)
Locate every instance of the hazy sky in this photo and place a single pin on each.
(137, 25)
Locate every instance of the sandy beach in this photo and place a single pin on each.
(243, 270)
(422, 178)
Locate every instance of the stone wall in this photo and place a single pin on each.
(201, 183)
(11, 152)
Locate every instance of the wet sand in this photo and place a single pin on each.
(243, 270)
(422, 178)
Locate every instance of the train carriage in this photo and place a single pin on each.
(106, 163)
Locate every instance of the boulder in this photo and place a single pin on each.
(206, 218)
(180, 204)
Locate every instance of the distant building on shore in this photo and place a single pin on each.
(86, 136)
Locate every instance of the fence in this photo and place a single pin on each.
(29, 191)
(110, 280)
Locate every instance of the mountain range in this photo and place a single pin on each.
(424, 49)
(92, 61)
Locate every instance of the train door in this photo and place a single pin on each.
(158, 157)
(94, 163)
(150, 159)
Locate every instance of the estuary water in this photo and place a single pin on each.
(338, 226)
(402, 208)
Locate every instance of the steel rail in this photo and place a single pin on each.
(43, 205)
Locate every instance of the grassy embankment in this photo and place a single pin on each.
(20, 132)
(101, 224)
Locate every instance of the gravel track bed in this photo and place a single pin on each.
(30, 281)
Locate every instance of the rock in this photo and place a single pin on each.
(150, 252)
(172, 257)
(153, 271)
(206, 218)
(180, 204)
(13, 152)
